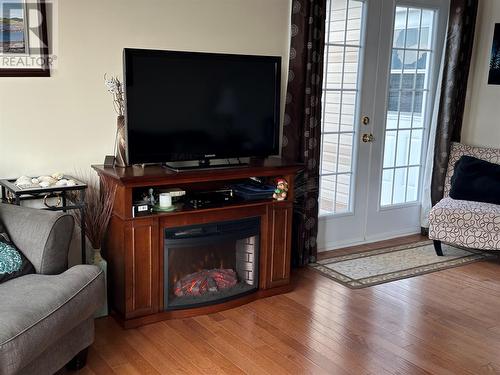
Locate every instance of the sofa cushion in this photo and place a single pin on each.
(466, 223)
(37, 310)
(476, 180)
(13, 263)
(458, 150)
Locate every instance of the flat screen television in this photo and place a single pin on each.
(183, 106)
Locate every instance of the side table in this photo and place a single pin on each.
(13, 194)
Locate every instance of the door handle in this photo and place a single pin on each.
(368, 137)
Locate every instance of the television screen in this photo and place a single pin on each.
(195, 106)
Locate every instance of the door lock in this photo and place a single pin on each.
(365, 120)
(368, 138)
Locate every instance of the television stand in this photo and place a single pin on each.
(204, 164)
(147, 255)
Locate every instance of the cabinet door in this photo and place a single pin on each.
(280, 246)
(142, 259)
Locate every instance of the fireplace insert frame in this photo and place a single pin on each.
(211, 233)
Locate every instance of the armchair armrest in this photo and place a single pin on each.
(43, 236)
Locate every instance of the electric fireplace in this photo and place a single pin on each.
(210, 263)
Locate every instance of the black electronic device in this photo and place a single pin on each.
(141, 209)
(252, 190)
(211, 198)
(192, 106)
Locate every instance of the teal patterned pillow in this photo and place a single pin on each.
(13, 263)
(10, 258)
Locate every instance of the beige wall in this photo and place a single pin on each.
(482, 112)
(66, 122)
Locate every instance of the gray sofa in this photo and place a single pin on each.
(46, 319)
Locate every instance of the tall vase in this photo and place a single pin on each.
(121, 145)
(103, 265)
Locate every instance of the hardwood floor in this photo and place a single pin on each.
(440, 323)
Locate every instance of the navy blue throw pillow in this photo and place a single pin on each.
(476, 180)
(13, 263)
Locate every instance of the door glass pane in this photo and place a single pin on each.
(412, 185)
(390, 149)
(399, 38)
(348, 111)
(343, 193)
(354, 22)
(330, 151)
(345, 153)
(387, 183)
(393, 106)
(327, 194)
(399, 189)
(426, 29)
(334, 66)
(331, 111)
(416, 146)
(407, 110)
(402, 147)
(413, 28)
(344, 24)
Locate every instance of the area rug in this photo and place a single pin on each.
(380, 266)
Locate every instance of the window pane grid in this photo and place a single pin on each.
(408, 90)
(338, 132)
(413, 111)
(340, 97)
(402, 166)
(407, 98)
(344, 45)
(335, 174)
(399, 114)
(411, 49)
(339, 90)
(401, 129)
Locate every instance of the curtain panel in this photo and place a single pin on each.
(302, 122)
(429, 154)
(459, 42)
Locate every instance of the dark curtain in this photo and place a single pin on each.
(302, 123)
(460, 39)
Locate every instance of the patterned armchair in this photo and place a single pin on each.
(465, 223)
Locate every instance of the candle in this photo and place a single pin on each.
(165, 200)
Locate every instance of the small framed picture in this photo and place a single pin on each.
(494, 76)
(24, 50)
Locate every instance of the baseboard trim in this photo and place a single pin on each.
(334, 245)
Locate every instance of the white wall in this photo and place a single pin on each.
(66, 122)
(482, 111)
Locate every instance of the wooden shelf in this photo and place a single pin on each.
(137, 176)
(229, 206)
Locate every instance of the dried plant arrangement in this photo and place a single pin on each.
(99, 199)
(115, 87)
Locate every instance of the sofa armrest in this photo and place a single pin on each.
(39, 311)
(43, 236)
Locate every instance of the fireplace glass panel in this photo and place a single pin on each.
(210, 263)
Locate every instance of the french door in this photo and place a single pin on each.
(381, 65)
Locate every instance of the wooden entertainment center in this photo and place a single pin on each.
(134, 247)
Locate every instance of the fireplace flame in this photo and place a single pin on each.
(205, 281)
